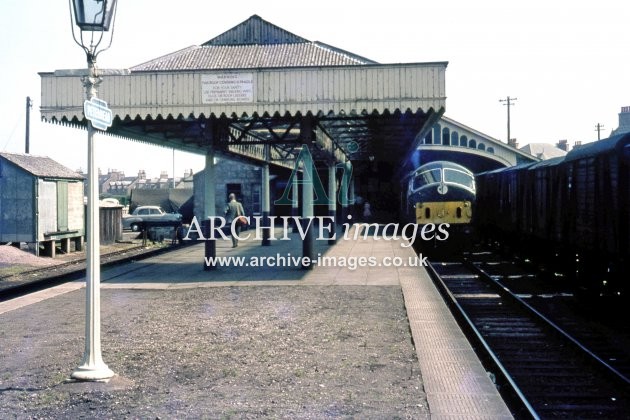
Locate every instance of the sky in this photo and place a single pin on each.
(566, 61)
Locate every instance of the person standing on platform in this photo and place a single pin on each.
(234, 210)
(367, 212)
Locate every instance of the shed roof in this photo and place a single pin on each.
(41, 166)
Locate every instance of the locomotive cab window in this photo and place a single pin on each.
(426, 178)
(458, 177)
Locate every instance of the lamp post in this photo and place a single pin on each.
(93, 17)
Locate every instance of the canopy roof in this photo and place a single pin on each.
(260, 92)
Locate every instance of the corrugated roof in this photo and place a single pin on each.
(41, 166)
(255, 30)
(250, 56)
(254, 43)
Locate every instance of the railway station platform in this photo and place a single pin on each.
(250, 339)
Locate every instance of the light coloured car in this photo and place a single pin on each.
(149, 214)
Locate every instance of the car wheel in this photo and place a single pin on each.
(135, 227)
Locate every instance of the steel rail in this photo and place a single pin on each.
(550, 323)
(521, 398)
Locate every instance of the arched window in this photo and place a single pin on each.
(472, 144)
(463, 141)
(490, 150)
(454, 138)
(437, 133)
(428, 139)
(481, 146)
(446, 136)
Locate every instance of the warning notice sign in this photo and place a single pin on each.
(227, 88)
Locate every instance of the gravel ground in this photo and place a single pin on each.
(225, 352)
(10, 255)
(25, 256)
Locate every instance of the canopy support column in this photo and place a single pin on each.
(295, 194)
(332, 205)
(351, 188)
(308, 215)
(344, 192)
(209, 209)
(266, 207)
(308, 212)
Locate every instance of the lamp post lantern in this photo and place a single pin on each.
(94, 18)
(94, 15)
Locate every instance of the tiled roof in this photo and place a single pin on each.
(41, 166)
(304, 54)
(543, 150)
(254, 43)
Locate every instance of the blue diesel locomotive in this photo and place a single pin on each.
(441, 193)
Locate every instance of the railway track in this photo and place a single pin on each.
(543, 369)
(41, 278)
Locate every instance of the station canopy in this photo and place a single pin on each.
(259, 92)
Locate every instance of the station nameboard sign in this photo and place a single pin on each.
(227, 88)
(97, 111)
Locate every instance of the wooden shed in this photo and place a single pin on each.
(41, 202)
(110, 221)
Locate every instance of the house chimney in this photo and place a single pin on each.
(164, 175)
(624, 120)
(577, 144)
(513, 143)
(563, 145)
(142, 174)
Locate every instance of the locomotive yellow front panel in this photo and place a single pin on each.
(452, 212)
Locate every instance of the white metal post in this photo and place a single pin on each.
(92, 367)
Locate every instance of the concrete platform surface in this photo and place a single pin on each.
(249, 341)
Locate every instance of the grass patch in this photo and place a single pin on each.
(14, 269)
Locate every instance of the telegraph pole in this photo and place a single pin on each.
(29, 106)
(598, 128)
(509, 102)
